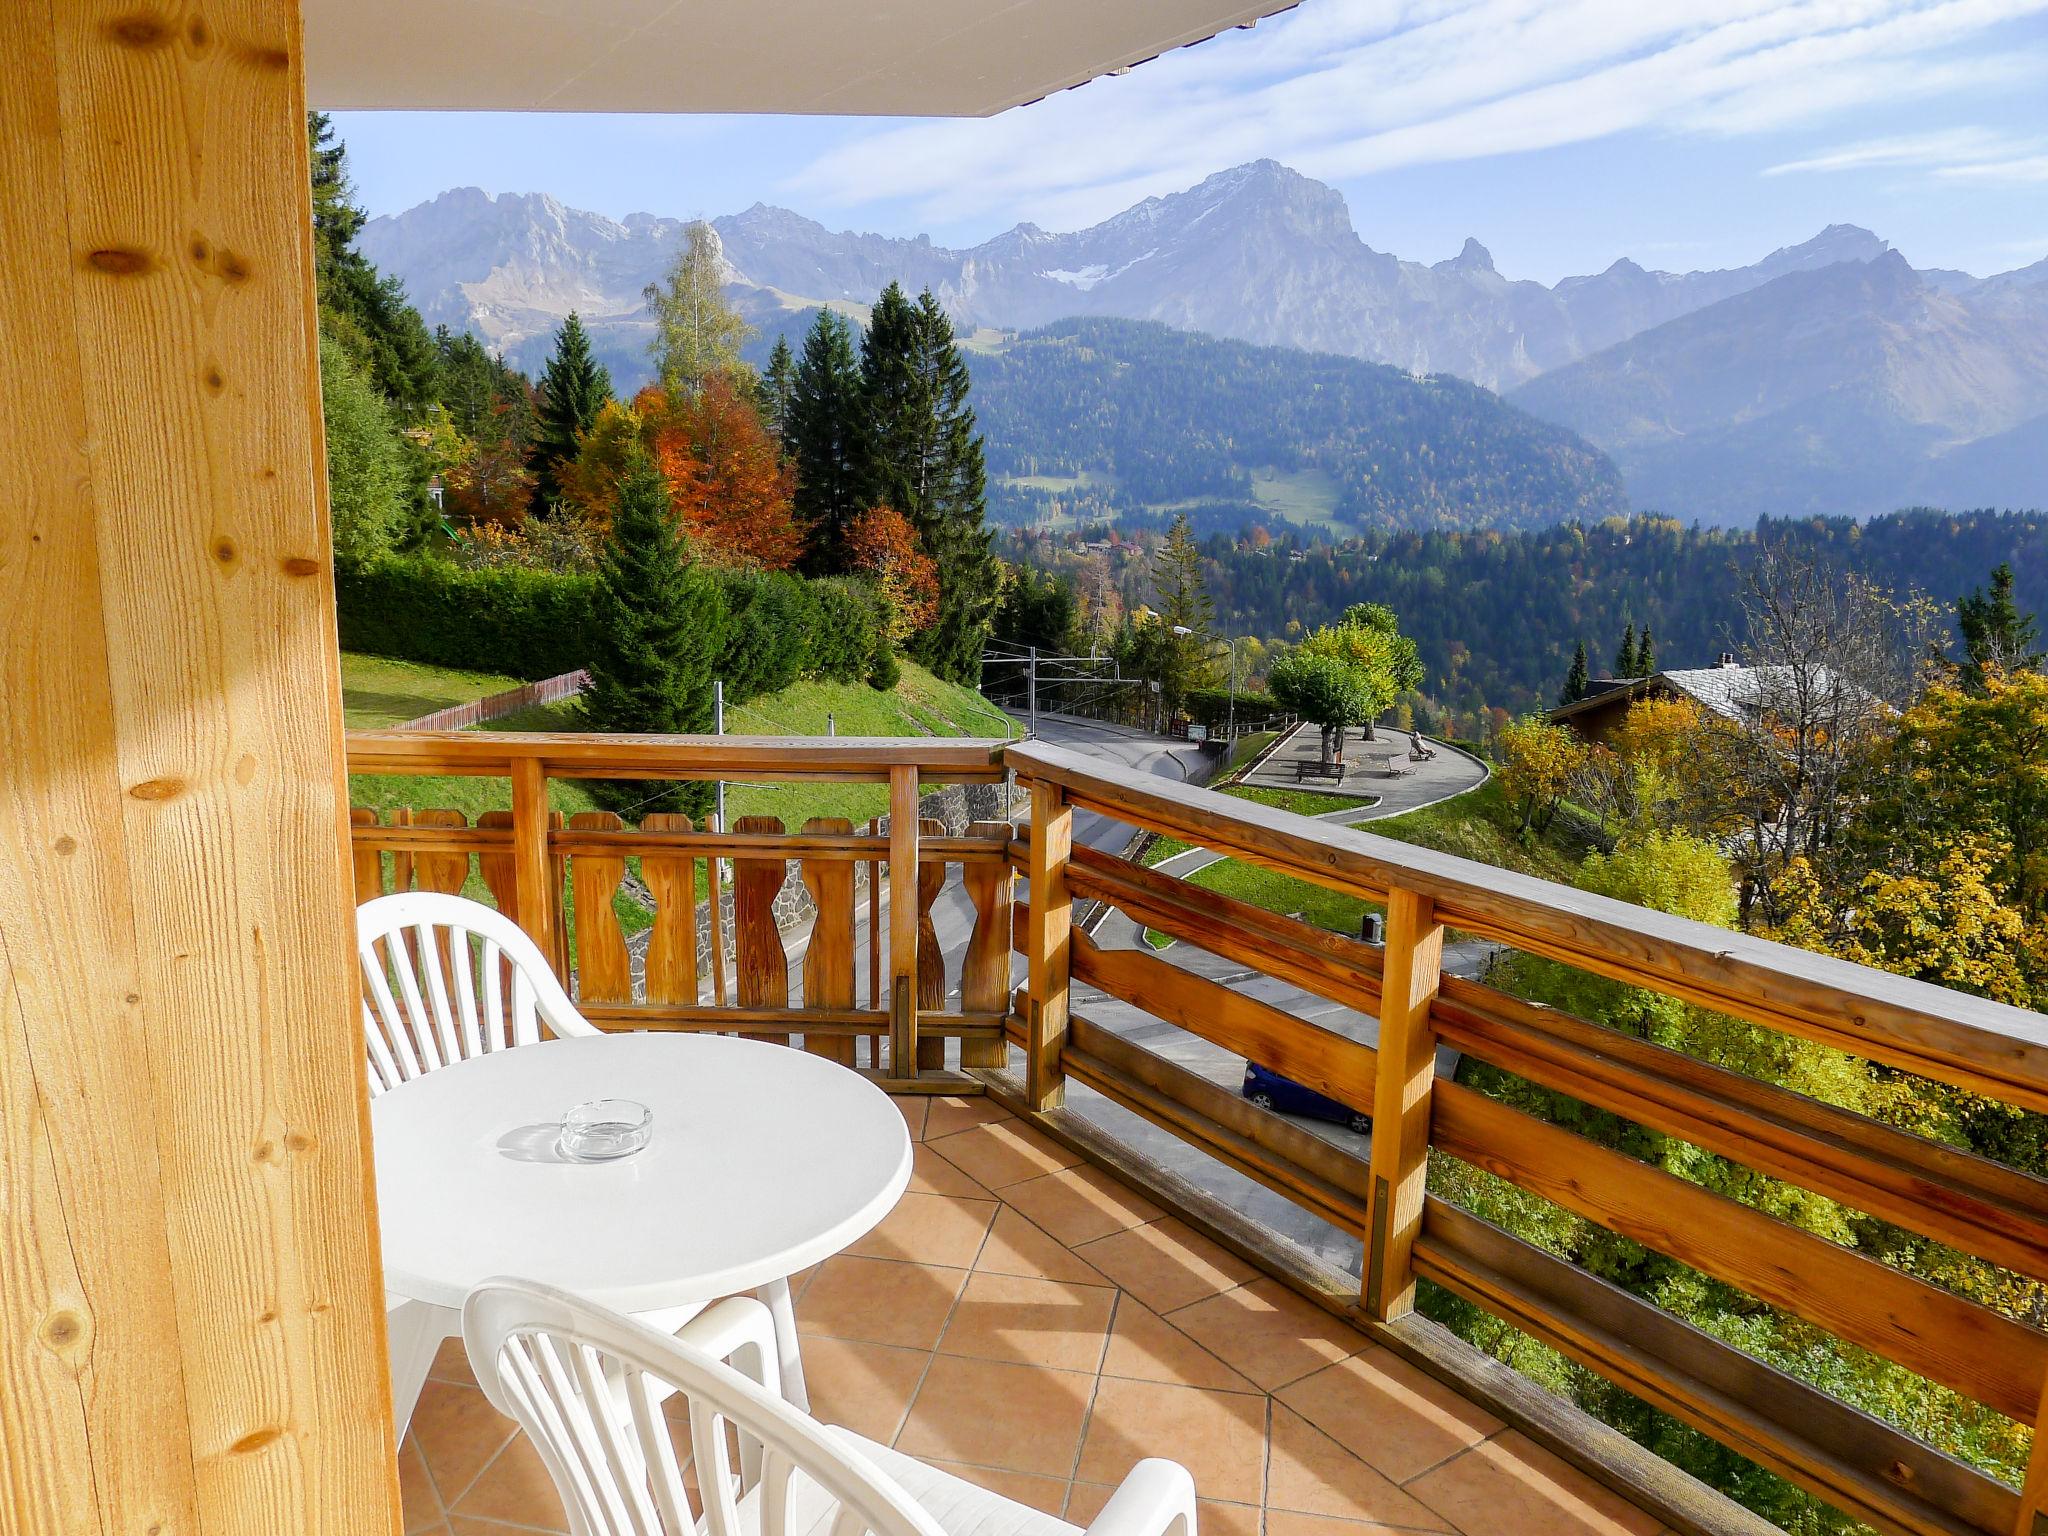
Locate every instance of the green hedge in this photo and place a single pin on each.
(1211, 706)
(535, 624)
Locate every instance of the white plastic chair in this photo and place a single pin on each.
(588, 1386)
(490, 990)
(445, 979)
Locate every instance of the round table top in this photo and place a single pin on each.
(763, 1161)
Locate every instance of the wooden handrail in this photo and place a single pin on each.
(1950, 1036)
(865, 759)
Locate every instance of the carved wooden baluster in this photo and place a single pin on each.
(875, 941)
(366, 861)
(931, 961)
(761, 961)
(828, 961)
(672, 948)
(496, 868)
(604, 973)
(985, 969)
(442, 871)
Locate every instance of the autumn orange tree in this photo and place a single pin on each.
(726, 477)
(881, 544)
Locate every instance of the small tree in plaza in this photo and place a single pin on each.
(1321, 689)
(1368, 640)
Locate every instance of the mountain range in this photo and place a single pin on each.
(1828, 376)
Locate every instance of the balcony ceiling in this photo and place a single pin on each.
(929, 58)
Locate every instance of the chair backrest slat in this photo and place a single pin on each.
(613, 1486)
(437, 948)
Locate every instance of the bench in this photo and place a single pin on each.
(1316, 768)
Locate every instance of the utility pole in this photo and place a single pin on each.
(718, 724)
(1031, 695)
(1230, 729)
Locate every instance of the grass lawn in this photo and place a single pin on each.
(1306, 496)
(378, 692)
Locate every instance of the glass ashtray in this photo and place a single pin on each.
(604, 1130)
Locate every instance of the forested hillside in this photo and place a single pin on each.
(1094, 418)
(1496, 615)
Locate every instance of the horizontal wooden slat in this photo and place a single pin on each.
(1910, 1024)
(1321, 1058)
(824, 1022)
(1856, 1462)
(1962, 1346)
(1306, 1169)
(1972, 1203)
(573, 755)
(1327, 964)
(852, 847)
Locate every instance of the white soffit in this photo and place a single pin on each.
(911, 58)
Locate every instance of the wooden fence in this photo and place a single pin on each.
(496, 706)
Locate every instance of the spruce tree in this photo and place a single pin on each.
(1996, 634)
(574, 387)
(776, 391)
(920, 454)
(824, 438)
(1646, 654)
(1625, 658)
(658, 624)
(1577, 678)
(1184, 605)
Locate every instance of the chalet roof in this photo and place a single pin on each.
(927, 58)
(1732, 692)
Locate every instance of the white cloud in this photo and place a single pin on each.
(1342, 88)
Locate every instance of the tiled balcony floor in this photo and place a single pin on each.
(1038, 1327)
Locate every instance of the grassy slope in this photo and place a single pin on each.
(1302, 802)
(377, 691)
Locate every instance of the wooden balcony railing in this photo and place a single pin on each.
(1849, 1458)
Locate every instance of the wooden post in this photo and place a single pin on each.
(191, 1300)
(1405, 1074)
(903, 910)
(2034, 1489)
(532, 871)
(1051, 946)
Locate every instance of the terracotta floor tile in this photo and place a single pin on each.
(1166, 1264)
(1220, 1437)
(864, 1387)
(1213, 1517)
(949, 1115)
(1382, 1408)
(1288, 1522)
(1045, 1494)
(1016, 1247)
(879, 1301)
(1144, 1345)
(1003, 1152)
(472, 1526)
(930, 1229)
(931, 1174)
(915, 1108)
(1077, 1205)
(1268, 1332)
(1512, 1482)
(515, 1488)
(458, 1433)
(451, 1363)
(419, 1503)
(1017, 1418)
(1030, 1322)
(1309, 1472)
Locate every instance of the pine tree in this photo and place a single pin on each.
(1625, 658)
(1576, 679)
(1995, 633)
(777, 391)
(919, 453)
(1186, 611)
(574, 387)
(823, 436)
(1646, 654)
(657, 627)
(697, 332)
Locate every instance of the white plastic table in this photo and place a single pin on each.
(764, 1160)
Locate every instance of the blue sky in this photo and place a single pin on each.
(1561, 133)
